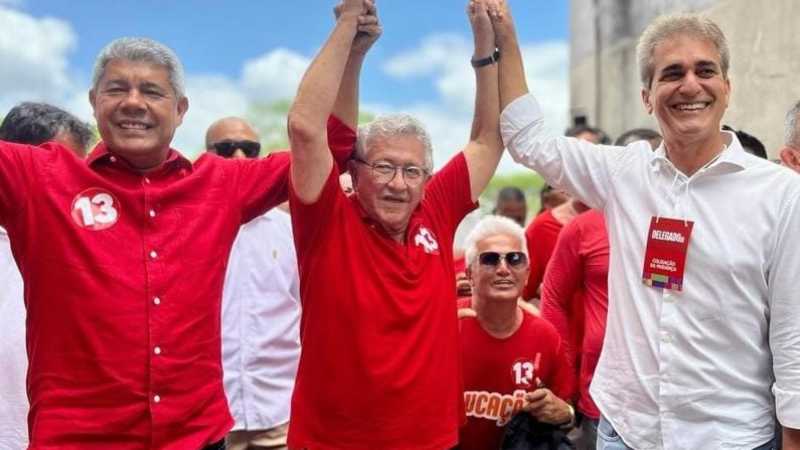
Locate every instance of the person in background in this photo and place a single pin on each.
(31, 124)
(639, 134)
(512, 360)
(511, 203)
(790, 153)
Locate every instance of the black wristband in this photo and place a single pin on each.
(486, 61)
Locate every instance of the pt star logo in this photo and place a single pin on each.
(426, 240)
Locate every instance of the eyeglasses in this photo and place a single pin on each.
(384, 172)
(513, 259)
(227, 148)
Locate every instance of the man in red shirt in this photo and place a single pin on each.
(123, 257)
(580, 265)
(513, 360)
(379, 366)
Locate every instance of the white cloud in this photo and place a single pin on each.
(39, 68)
(274, 75)
(449, 116)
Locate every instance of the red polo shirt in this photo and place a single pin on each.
(580, 264)
(123, 278)
(498, 372)
(379, 367)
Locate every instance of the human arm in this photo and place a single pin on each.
(565, 163)
(784, 334)
(561, 281)
(369, 30)
(316, 98)
(485, 148)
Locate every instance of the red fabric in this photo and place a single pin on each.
(492, 391)
(580, 264)
(379, 366)
(93, 323)
(541, 235)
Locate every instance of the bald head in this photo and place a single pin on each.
(232, 137)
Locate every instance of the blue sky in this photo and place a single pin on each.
(236, 52)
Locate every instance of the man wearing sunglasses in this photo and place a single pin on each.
(233, 137)
(512, 360)
(260, 311)
(379, 366)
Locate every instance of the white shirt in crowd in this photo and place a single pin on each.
(260, 323)
(13, 358)
(690, 369)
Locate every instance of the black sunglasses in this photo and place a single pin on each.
(492, 259)
(227, 148)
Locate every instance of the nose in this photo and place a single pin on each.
(690, 85)
(239, 154)
(133, 101)
(398, 181)
(502, 267)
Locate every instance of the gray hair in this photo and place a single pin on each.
(390, 126)
(141, 49)
(664, 27)
(792, 133)
(490, 226)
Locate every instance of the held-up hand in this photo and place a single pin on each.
(349, 8)
(369, 27)
(502, 21)
(546, 407)
(482, 31)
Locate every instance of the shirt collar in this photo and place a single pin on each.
(101, 155)
(732, 159)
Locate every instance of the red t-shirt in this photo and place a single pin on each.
(123, 279)
(497, 373)
(379, 366)
(580, 263)
(541, 236)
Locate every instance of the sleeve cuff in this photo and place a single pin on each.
(787, 406)
(518, 115)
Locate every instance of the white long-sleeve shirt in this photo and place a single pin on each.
(13, 359)
(696, 368)
(260, 323)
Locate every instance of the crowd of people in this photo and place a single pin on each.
(312, 298)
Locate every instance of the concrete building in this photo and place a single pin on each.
(605, 89)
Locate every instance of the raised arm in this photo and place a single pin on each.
(511, 70)
(369, 30)
(485, 146)
(316, 97)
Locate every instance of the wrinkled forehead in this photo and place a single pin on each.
(685, 47)
(136, 72)
(234, 130)
(402, 149)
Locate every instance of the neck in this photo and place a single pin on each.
(565, 212)
(689, 157)
(144, 163)
(500, 318)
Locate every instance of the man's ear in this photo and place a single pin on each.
(646, 100)
(790, 157)
(92, 100)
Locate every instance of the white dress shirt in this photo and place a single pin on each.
(260, 323)
(13, 358)
(691, 369)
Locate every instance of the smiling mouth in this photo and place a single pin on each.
(127, 125)
(691, 107)
(503, 283)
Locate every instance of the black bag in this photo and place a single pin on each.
(523, 432)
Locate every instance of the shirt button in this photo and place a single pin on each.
(153, 254)
(665, 337)
(113, 159)
(147, 180)
(157, 350)
(152, 213)
(156, 398)
(156, 301)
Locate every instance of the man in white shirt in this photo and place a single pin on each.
(696, 359)
(34, 124)
(260, 311)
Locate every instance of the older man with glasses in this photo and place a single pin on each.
(513, 361)
(379, 366)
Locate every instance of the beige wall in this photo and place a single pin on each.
(765, 61)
